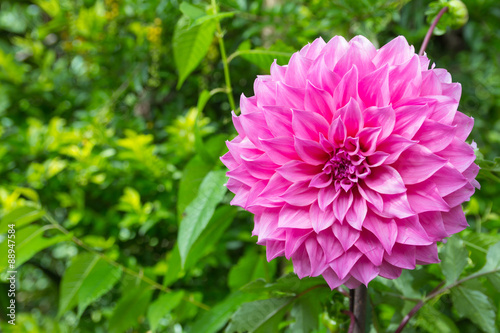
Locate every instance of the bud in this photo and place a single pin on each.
(455, 18)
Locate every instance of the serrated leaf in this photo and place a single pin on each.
(213, 320)
(289, 283)
(260, 316)
(163, 305)
(190, 45)
(98, 282)
(199, 212)
(453, 259)
(493, 264)
(20, 216)
(433, 321)
(250, 267)
(476, 306)
(306, 311)
(129, 309)
(29, 241)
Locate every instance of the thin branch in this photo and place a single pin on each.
(431, 30)
(124, 269)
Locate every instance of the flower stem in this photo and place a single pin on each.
(225, 62)
(431, 29)
(357, 306)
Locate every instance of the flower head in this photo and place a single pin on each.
(353, 160)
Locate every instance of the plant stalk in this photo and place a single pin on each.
(431, 29)
(357, 306)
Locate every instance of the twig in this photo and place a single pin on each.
(431, 29)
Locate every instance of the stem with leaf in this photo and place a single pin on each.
(431, 30)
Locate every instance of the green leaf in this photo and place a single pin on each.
(199, 212)
(219, 222)
(20, 216)
(191, 44)
(250, 267)
(289, 283)
(476, 306)
(192, 176)
(101, 278)
(163, 305)
(28, 242)
(130, 309)
(306, 311)
(260, 316)
(174, 269)
(453, 259)
(493, 264)
(88, 278)
(217, 317)
(263, 58)
(191, 11)
(433, 321)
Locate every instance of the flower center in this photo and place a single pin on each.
(339, 166)
(345, 168)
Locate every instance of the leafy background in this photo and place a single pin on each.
(113, 114)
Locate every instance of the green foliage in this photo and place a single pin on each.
(113, 115)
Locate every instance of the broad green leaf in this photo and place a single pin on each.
(192, 176)
(263, 58)
(219, 222)
(20, 216)
(306, 311)
(476, 306)
(289, 283)
(101, 278)
(28, 242)
(199, 212)
(259, 316)
(191, 44)
(174, 269)
(453, 259)
(88, 278)
(250, 267)
(217, 317)
(202, 100)
(433, 321)
(130, 309)
(191, 11)
(163, 305)
(493, 264)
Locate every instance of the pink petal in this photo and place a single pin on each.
(463, 124)
(295, 171)
(294, 239)
(261, 167)
(435, 136)
(374, 88)
(337, 133)
(274, 249)
(402, 256)
(280, 149)
(308, 125)
(343, 264)
(300, 194)
(289, 96)
(425, 197)
(279, 120)
(319, 101)
(396, 206)
(427, 254)
(255, 127)
(321, 180)
(265, 91)
(458, 153)
(368, 140)
(301, 263)
(324, 78)
(346, 235)
(334, 50)
(386, 230)
(346, 89)
(332, 279)
(356, 214)
(330, 244)
(448, 180)
(364, 270)
(417, 164)
(453, 90)
(389, 271)
(277, 72)
(394, 53)
(371, 196)
(460, 196)
(352, 117)
(405, 79)
(296, 71)
(369, 245)
(357, 56)
(454, 221)
(430, 84)
(316, 256)
(409, 118)
(294, 217)
(341, 204)
(411, 232)
(394, 145)
(385, 179)
(326, 196)
(242, 175)
(432, 222)
(321, 219)
(310, 151)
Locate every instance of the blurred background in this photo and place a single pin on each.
(112, 116)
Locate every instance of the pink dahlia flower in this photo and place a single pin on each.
(353, 160)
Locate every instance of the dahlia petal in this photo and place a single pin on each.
(289, 96)
(374, 88)
(255, 127)
(443, 75)
(430, 84)
(321, 219)
(300, 194)
(454, 221)
(471, 172)
(343, 264)
(369, 245)
(402, 256)
(342, 204)
(448, 180)
(351, 145)
(435, 136)
(241, 174)
(334, 50)
(371, 196)
(274, 249)
(432, 222)
(368, 140)
(277, 72)
(265, 91)
(394, 53)
(453, 90)
(366, 45)
(337, 132)
(386, 230)
(376, 159)
(458, 153)
(417, 164)
(276, 186)
(261, 167)
(411, 232)
(356, 56)
(325, 78)
(346, 89)
(319, 101)
(279, 120)
(394, 145)
(405, 79)
(330, 244)
(237, 124)
(296, 71)
(294, 239)
(396, 206)
(461, 195)
(351, 282)
(425, 255)
(310, 151)
(463, 124)
(364, 270)
(326, 196)
(443, 109)
(425, 197)
(280, 149)
(385, 179)
(409, 118)
(389, 271)
(229, 161)
(301, 263)
(352, 117)
(294, 217)
(240, 193)
(296, 171)
(267, 224)
(332, 279)
(321, 180)
(316, 257)
(383, 117)
(308, 125)
(315, 48)
(357, 213)
(346, 235)
(248, 104)
(254, 193)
